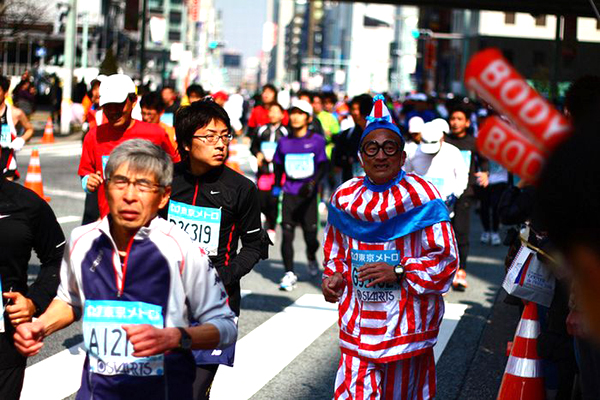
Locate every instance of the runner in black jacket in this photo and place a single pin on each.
(217, 207)
(26, 223)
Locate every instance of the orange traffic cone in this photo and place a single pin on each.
(523, 379)
(48, 132)
(33, 180)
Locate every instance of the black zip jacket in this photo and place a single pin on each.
(26, 223)
(237, 197)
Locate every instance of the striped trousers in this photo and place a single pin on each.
(410, 379)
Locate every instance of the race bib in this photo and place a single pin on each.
(167, 119)
(268, 150)
(5, 136)
(104, 162)
(109, 351)
(300, 165)
(202, 224)
(466, 154)
(357, 170)
(381, 292)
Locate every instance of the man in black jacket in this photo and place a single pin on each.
(345, 152)
(26, 223)
(217, 207)
(478, 175)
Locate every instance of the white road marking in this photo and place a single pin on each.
(55, 377)
(486, 260)
(68, 218)
(68, 149)
(264, 352)
(452, 316)
(77, 195)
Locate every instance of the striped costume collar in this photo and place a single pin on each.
(413, 217)
(386, 186)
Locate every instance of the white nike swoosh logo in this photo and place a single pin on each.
(4, 216)
(211, 192)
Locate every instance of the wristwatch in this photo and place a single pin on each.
(185, 342)
(399, 271)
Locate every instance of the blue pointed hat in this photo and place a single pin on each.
(380, 118)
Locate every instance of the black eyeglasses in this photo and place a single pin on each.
(371, 148)
(214, 139)
(121, 182)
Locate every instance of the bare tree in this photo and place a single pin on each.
(20, 16)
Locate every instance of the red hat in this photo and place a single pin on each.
(220, 95)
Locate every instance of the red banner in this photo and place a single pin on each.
(491, 76)
(501, 143)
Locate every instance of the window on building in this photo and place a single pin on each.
(175, 17)
(510, 18)
(176, 2)
(539, 59)
(540, 20)
(174, 36)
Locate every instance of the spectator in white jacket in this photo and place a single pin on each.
(440, 163)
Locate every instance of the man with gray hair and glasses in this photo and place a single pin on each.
(136, 280)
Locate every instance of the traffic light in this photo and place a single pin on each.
(213, 44)
(415, 33)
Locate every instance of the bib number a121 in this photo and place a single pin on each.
(109, 351)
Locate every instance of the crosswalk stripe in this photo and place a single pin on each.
(68, 218)
(55, 377)
(452, 316)
(264, 352)
(79, 195)
(260, 355)
(59, 150)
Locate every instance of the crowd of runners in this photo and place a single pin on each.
(383, 190)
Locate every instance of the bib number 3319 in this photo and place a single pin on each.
(109, 351)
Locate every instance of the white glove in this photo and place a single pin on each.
(17, 144)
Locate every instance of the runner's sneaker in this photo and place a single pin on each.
(313, 268)
(288, 282)
(460, 280)
(485, 238)
(272, 236)
(496, 241)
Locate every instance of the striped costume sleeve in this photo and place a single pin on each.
(433, 270)
(335, 252)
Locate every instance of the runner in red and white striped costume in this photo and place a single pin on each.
(390, 254)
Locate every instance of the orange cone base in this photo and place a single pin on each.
(47, 139)
(517, 388)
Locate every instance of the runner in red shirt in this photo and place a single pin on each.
(260, 113)
(117, 99)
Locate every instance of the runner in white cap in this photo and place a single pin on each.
(117, 99)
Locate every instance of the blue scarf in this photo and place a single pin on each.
(428, 214)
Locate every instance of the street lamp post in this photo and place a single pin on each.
(143, 40)
(69, 66)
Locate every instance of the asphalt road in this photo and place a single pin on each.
(470, 366)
